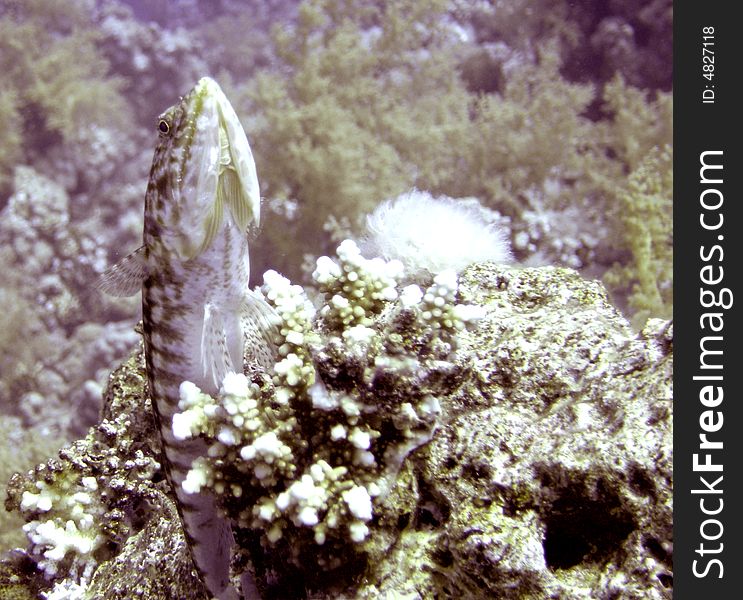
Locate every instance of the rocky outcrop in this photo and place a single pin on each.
(549, 473)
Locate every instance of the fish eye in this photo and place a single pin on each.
(163, 126)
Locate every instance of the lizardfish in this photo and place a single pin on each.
(199, 315)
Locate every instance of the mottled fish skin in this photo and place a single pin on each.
(196, 305)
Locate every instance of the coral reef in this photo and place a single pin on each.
(553, 116)
(20, 450)
(67, 170)
(596, 40)
(345, 106)
(59, 97)
(545, 151)
(162, 60)
(525, 455)
(109, 485)
(330, 155)
(298, 460)
(553, 478)
(66, 355)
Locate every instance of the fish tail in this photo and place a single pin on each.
(208, 532)
(210, 538)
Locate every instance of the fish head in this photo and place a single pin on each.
(203, 175)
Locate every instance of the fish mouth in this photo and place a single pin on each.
(207, 86)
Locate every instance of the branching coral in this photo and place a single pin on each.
(64, 517)
(82, 506)
(301, 456)
(293, 372)
(65, 527)
(20, 449)
(357, 287)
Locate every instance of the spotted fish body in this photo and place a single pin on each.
(197, 308)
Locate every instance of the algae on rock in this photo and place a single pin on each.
(553, 474)
(549, 473)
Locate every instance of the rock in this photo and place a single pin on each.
(549, 475)
(553, 474)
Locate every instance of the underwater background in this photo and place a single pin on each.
(555, 115)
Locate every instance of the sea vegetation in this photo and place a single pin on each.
(646, 202)
(368, 102)
(57, 88)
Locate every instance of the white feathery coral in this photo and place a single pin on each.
(429, 234)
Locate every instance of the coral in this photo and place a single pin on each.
(21, 450)
(223, 40)
(556, 217)
(547, 467)
(55, 542)
(434, 234)
(639, 122)
(352, 105)
(571, 236)
(529, 151)
(72, 126)
(10, 136)
(294, 373)
(300, 460)
(87, 508)
(596, 41)
(58, 88)
(635, 41)
(68, 518)
(357, 288)
(17, 367)
(66, 590)
(353, 114)
(158, 63)
(356, 103)
(45, 245)
(66, 354)
(534, 136)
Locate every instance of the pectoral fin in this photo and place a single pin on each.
(212, 224)
(125, 278)
(260, 329)
(240, 187)
(215, 357)
(231, 193)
